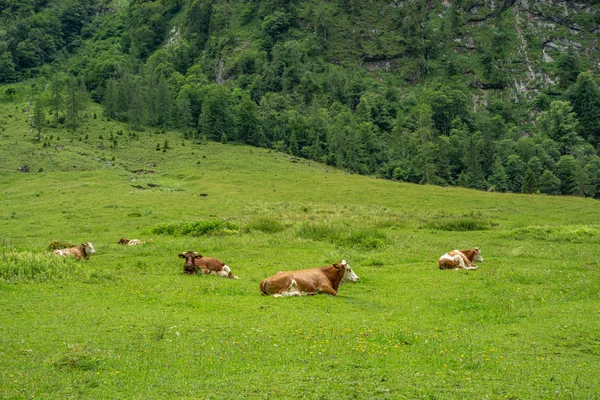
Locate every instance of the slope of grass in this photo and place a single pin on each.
(128, 323)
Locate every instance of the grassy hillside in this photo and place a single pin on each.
(128, 323)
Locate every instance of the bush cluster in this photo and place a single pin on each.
(196, 228)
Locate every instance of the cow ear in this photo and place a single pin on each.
(337, 266)
(198, 255)
(181, 255)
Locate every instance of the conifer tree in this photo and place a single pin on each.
(215, 117)
(566, 171)
(248, 124)
(549, 183)
(585, 97)
(111, 103)
(515, 170)
(185, 120)
(530, 182)
(75, 102)
(499, 179)
(559, 123)
(136, 112)
(39, 116)
(56, 100)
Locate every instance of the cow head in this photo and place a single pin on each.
(189, 267)
(88, 248)
(477, 256)
(349, 275)
(123, 241)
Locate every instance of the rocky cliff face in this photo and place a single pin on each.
(540, 32)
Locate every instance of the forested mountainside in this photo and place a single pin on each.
(492, 95)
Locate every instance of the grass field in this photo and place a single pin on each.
(129, 324)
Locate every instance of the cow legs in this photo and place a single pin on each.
(466, 263)
(328, 289)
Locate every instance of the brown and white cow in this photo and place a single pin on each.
(82, 251)
(460, 259)
(308, 281)
(209, 265)
(128, 242)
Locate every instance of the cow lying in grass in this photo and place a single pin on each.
(308, 281)
(209, 265)
(82, 251)
(127, 242)
(460, 259)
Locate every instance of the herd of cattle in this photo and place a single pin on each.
(289, 283)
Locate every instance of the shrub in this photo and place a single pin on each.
(367, 239)
(34, 267)
(197, 228)
(265, 225)
(59, 244)
(468, 222)
(569, 234)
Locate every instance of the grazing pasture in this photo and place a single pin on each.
(128, 323)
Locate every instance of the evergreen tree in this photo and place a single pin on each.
(549, 183)
(530, 182)
(594, 176)
(559, 123)
(568, 67)
(425, 157)
(185, 120)
(585, 97)
(515, 170)
(163, 102)
(151, 98)
(7, 67)
(39, 116)
(499, 179)
(111, 102)
(215, 117)
(248, 124)
(582, 181)
(566, 171)
(474, 174)
(75, 102)
(136, 111)
(55, 88)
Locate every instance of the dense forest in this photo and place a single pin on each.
(491, 95)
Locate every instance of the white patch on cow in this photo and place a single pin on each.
(456, 257)
(349, 275)
(291, 291)
(89, 248)
(226, 269)
(478, 257)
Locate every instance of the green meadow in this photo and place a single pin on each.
(128, 324)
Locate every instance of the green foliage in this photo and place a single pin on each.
(196, 228)
(35, 267)
(266, 225)
(469, 222)
(60, 244)
(430, 93)
(79, 358)
(566, 172)
(566, 234)
(367, 238)
(549, 183)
